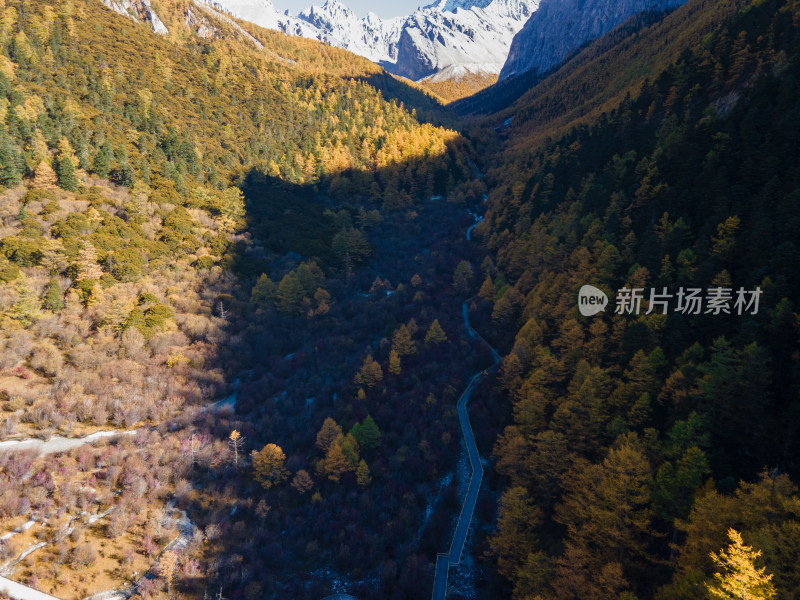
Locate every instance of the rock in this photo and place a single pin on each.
(560, 26)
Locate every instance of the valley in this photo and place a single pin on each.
(288, 304)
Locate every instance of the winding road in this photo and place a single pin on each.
(451, 559)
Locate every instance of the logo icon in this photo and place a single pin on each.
(591, 300)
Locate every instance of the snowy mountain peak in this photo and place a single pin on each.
(446, 37)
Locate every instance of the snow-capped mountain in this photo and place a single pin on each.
(442, 40)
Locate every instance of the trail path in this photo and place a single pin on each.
(58, 443)
(451, 559)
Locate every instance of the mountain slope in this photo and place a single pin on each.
(559, 27)
(597, 78)
(637, 440)
(151, 184)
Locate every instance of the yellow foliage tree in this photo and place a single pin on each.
(737, 576)
(268, 464)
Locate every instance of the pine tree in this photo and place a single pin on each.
(462, 278)
(26, 308)
(367, 433)
(102, 160)
(65, 169)
(737, 577)
(67, 179)
(53, 296)
(11, 164)
(289, 298)
(435, 334)
(263, 291)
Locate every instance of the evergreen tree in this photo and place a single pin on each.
(263, 292)
(53, 296)
(289, 297)
(11, 164)
(462, 278)
(102, 160)
(26, 308)
(65, 167)
(367, 433)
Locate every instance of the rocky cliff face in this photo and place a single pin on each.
(138, 10)
(454, 38)
(561, 26)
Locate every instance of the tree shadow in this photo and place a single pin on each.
(298, 366)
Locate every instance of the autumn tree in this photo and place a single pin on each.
(363, 476)
(328, 434)
(370, 373)
(236, 443)
(87, 263)
(335, 463)
(302, 481)
(167, 565)
(737, 577)
(26, 307)
(606, 509)
(395, 366)
(435, 334)
(402, 342)
(268, 465)
(518, 517)
(487, 289)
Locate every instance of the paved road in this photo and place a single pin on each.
(453, 557)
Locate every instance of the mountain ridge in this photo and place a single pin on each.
(447, 39)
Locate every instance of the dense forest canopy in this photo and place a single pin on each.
(639, 440)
